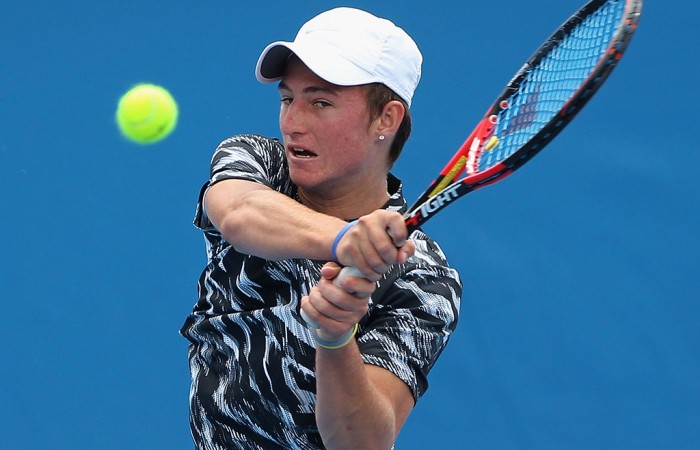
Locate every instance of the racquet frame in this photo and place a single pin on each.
(444, 190)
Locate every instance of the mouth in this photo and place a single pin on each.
(300, 152)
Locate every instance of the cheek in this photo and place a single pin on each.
(349, 135)
(349, 149)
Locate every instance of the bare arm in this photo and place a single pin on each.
(260, 221)
(358, 405)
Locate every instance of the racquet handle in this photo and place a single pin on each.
(309, 321)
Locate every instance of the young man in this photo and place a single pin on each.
(274, 213)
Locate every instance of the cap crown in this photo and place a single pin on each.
(347, 47)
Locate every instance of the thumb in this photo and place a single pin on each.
(330, 270)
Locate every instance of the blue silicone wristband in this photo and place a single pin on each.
(337, 239)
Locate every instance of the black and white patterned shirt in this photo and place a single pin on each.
(251, 354)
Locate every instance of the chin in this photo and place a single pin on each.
(303, 178)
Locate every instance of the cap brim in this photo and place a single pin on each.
(320, 59)
(272, 61)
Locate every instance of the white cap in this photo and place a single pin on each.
(349, 47)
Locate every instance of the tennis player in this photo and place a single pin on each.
(280, 219)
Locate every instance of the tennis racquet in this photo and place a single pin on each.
(538, 102)
(541, 99)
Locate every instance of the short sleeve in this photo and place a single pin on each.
(412, 316)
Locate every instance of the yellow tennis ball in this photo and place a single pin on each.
(146, 113)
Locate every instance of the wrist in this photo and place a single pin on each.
(335, 344)
(338, 237)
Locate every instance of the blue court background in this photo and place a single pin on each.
(579, 325)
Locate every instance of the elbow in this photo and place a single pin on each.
(238, 227)
(233, 208)
(230, 227)
(377, 435)
(228, 220)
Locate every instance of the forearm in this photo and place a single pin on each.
(262, 222)
(350, 411)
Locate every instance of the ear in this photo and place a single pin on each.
(390, 119)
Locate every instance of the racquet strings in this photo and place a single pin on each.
(550, 84)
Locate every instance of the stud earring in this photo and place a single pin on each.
(381, 137)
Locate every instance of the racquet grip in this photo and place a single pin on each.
(309, 321)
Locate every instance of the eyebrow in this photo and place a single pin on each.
(330, 89)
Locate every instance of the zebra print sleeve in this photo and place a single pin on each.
(415, 312)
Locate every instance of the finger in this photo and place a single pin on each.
(330, 270)
(352, 281)
(377, 259)
(405, 252)
(397, 230)
(318, 312)
(367, 245)
(347, 302)
(388, 234)
(306, 306)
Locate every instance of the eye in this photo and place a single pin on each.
(286, 100)
(322, 104)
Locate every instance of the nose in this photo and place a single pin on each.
(291, 118)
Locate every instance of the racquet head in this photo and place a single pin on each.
(539, 101)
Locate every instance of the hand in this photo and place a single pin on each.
(375, 243)
(337, 304)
